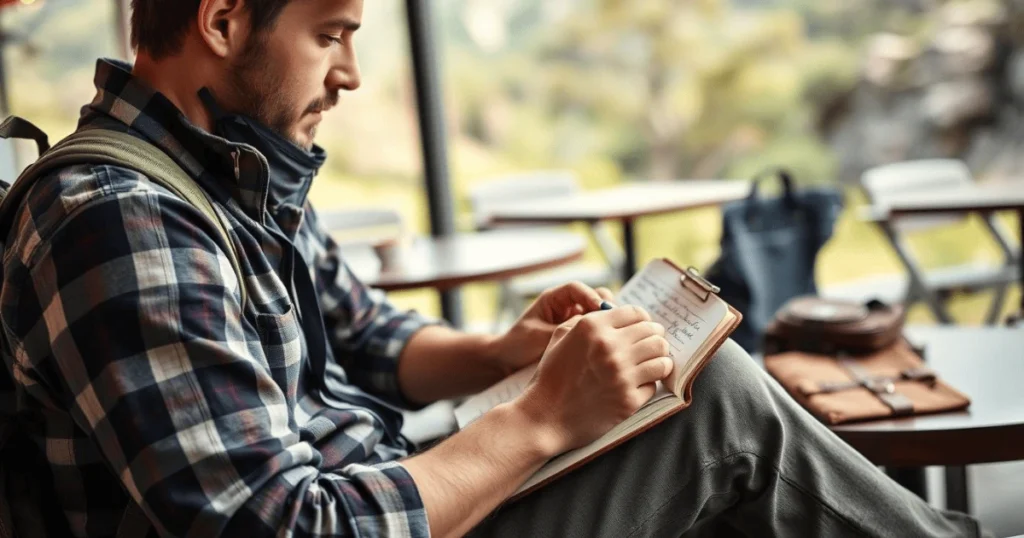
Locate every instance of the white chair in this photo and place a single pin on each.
(524, 187)
(353, 221)
(932, 287)
(360, 233)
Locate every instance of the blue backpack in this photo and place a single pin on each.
(769, 247)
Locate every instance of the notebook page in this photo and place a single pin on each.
(507, 390)
(688, 321)
(503, 391)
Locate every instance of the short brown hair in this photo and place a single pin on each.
(159, 26)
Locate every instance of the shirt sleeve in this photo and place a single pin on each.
(136, 308)
(367, 332)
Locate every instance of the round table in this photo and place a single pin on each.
(448, 262)
(986, 364)
(624, 203)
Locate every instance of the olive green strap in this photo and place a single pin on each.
(101, 146)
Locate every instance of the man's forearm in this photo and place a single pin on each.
(440, 363)
(466, 477)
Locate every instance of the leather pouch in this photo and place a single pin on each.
(891, 382)
(829, 327)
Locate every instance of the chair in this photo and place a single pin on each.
(360, 234)
(927, 176)
(524, 187)
(372, 226)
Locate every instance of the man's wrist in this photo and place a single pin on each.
(492, 355)
(544, 440)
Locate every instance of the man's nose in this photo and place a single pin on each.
(345, 75)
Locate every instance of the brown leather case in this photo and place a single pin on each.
(825, 326)
(891, 382)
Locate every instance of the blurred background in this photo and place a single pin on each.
(636, 90)
(627, 91)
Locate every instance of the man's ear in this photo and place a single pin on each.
(223, 25)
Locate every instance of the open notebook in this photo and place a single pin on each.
(697, 322)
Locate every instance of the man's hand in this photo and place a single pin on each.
(600, 368)
(526, 340)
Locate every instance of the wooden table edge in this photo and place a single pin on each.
(614, 216)
(961, 446)
(456, 281)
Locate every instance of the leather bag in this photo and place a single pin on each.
(830, 327)
(847, 362)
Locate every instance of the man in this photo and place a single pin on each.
(163, 405)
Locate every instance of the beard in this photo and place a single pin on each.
(261, 90)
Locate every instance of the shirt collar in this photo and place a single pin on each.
(210, 159)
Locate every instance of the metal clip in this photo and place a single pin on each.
(700, 286)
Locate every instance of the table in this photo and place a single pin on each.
(448, 262)
(624, 203)
(984, 198)
(986, 364)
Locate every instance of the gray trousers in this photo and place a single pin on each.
(743, 460)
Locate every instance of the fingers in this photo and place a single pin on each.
(639, 331)
(574, 293)
(644, 393)
(622, 316)
(574, 310)
(652, 370)
(564, 328)
(652, 347)
(605, 293)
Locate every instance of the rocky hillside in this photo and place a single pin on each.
(957, 91)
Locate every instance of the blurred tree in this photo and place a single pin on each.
(667, 89)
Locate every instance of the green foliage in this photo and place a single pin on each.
(613, 89)
(665, 89)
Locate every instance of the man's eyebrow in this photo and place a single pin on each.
(342, 23)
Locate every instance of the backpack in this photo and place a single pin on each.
(769, 248)
(22, 510)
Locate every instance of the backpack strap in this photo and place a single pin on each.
(102, 146)
(15, 127)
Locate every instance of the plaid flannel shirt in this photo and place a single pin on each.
(157, 402)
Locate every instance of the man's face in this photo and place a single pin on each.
(292, 72)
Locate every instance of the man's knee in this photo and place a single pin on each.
(733, 370)
(734, 383)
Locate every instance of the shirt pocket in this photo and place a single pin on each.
(280, 338)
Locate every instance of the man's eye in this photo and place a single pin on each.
(333, 39)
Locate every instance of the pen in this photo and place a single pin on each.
(605, 305)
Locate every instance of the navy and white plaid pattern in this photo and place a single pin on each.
(159, 403)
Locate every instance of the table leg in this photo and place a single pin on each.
(915, 273)
(956, 489)
(912, 478)
(1020, 257)
(629, 244)
(451, 307)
